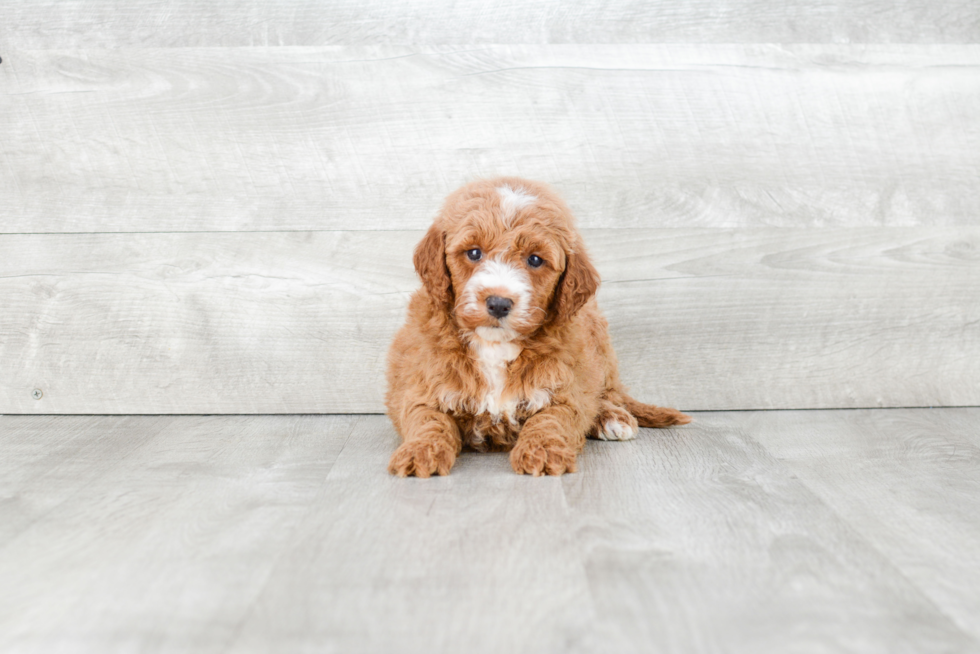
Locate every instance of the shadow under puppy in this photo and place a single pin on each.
(504, 347)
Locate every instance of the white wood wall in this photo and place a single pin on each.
(210, 207)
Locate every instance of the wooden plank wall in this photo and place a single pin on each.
(235, 23)
(210, 208)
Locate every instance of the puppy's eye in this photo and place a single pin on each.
(474, 255)
(535, 261)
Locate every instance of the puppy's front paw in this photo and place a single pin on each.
(542, 456)
(422, 458)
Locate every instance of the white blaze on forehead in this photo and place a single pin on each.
(512, 201)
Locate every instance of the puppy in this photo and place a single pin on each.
(504, 347)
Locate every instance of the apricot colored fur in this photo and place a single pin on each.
(563, 384)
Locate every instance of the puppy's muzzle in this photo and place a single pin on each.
(498, 307)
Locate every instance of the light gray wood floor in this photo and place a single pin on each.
(795, 531)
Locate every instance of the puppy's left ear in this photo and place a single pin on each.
(430, 264)
(577, 285)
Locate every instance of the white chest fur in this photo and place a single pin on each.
(493, 357)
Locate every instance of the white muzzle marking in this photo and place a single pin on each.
(495, 274)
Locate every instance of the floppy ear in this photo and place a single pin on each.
(430, 264)
(576, 286)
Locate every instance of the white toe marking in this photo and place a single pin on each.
(614, 430)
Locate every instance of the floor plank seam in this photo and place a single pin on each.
(358, 413)
(923, 594)
(236, 633)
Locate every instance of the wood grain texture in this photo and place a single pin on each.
(373, 137)
(149, 533)
(301, 322)
(223, 534)
(698, 540)
(911, 490)
(109, 23)
(480, 561)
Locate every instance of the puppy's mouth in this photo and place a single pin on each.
(498, 333)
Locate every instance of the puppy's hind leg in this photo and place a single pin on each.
(620, 415)
(648, 415)
(613, 423)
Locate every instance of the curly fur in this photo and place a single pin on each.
(535, 382)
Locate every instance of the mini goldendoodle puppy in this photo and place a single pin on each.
(504, 347)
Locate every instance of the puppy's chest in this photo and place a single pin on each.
(494, 413)
(493, 359)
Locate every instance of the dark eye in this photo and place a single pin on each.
(535, 261)
(474, 254)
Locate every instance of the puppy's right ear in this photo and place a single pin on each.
(577, 285)
(430, 264)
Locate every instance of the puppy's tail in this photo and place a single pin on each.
(649, 415)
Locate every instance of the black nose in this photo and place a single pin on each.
(498, 307)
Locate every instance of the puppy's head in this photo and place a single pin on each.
(504, 258)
